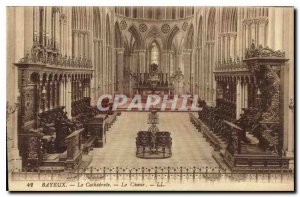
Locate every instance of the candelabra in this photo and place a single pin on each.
(178, 77)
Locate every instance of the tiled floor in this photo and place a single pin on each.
(189, 147)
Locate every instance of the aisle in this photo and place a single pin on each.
(189, 147)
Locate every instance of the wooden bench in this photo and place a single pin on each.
(88, 145)
(207, 133)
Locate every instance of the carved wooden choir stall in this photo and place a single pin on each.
(252, 132)
(55, 110)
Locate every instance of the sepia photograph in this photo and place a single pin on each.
(150, 98)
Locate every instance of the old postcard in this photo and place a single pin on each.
(150, 98)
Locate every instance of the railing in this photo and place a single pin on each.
(157, 174)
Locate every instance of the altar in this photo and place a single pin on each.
(153, 82)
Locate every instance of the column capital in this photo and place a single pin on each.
(187, 50)
(140, 51)
(120, 50)
(98, 40)
(167, 51)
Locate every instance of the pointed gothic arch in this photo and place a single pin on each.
(171, 37)
(119, 41)
(97, 23)
(211, 23)
(200, 32)
(155, 52)
(189, 41)
(137, 36)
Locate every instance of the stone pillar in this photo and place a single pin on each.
(55, 94)
(130, 79)
(246, 95)
(271, 27)
(75, 43)
(97, 74)
(69, 35)
(46, 101)
(68, 97)
(187, 72)
(57, 31)
(247, 36)
(28, 32)
(238, 99)
(86, 47)
(278, 33)
(252, 33)
(243, 41)
(262, 31)
(36, 23)
(120, 67)
(242, 96)
(224, 48)
(65, 92)
(142, 63)
(210, 73)
(48, 25)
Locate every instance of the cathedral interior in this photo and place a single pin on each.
(238, 60)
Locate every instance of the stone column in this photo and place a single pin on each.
(81, 44)
(247, 36)
(55, 94)
(228, 46)
(278, 33)
(244, 40)
(36, 23)
(242, 95)
(271, 27)
(68, 97)
(86, 47)
(62, 37)
(261, 34)
(64, 83)
(75, 43)
(69, 35)
(46, 101)
(196, 74)
(232, 46)
(101, 70)
(142, 63)
(48, 24)
(210, 74)
(28, 32)
(97, 74)
(224, 48)
(246, 95)
(61, 92)
(213, 81)
(57, 31)
(238, 99)
(120, 67)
